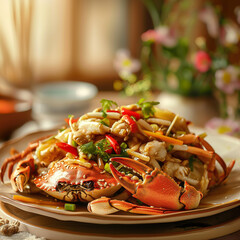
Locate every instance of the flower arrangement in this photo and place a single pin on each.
(183, 63)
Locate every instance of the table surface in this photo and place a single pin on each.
(122, 100)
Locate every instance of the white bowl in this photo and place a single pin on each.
(56, 100)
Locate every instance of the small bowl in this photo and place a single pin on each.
(20, 113)
(55, 101)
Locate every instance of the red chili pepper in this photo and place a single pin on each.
(130, 113)
(68, 148)
(114, 144)
(109, 151)
(73, 120)
(131, 123)
(114, 111)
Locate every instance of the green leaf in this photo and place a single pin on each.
(107, 104)
(88, 148)
(147, 107)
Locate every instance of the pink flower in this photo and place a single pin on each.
(162, 35)
(202, 61)
(209, 17)
(124, 63)
(227, 79)
(224, 126)
(151, 36)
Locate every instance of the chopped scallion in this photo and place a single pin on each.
(192, 159)
(70, 206)
(170, 147)
(107, 168)
(123, 145)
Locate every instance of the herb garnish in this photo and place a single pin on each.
(106, 105)
(170, 147)
(192, 159)
(97, 149)
(147, 107)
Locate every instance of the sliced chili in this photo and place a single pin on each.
(109, 151)
(68, 148)
(116, 147)
(130, 113)
(131, 123)
(114, 111)
(73, 120)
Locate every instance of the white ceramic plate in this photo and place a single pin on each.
(198, 229)
(220, 199)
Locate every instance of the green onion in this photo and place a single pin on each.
(70, 206)
(191, 160)
(170, 147)
(107, 168)
(70, 116)
(105, 122)
(203, 135)
(123, 145)
(74, 144)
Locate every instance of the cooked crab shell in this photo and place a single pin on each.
(73, 182)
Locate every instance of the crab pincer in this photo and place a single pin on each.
(156, 188)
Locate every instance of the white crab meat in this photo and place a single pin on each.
(155, 150)
(86, 128)
(196, 177)
(120, 129)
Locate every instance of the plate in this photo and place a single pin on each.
(222, 198)
(204, 228)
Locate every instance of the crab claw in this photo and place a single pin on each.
(21, 175)
(157, 188)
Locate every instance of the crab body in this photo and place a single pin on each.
(73, 182)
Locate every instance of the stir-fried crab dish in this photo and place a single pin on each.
(134, 158)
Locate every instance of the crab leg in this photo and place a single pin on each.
(21, 175)
(157, 188)
(104, 206)
(16, 158)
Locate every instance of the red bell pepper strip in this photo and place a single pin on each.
(130, 113)
(116, 147)
(131, 123)
(68, 148)
(114, 111)
(73, 120)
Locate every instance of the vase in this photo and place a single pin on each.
(198, 110)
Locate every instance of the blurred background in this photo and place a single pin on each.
(45, 41)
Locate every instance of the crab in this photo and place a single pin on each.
(160, 193)
(71, 180)
(107, 157)
(68, 180)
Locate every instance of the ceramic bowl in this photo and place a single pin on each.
(55, 101)
(18, 115)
